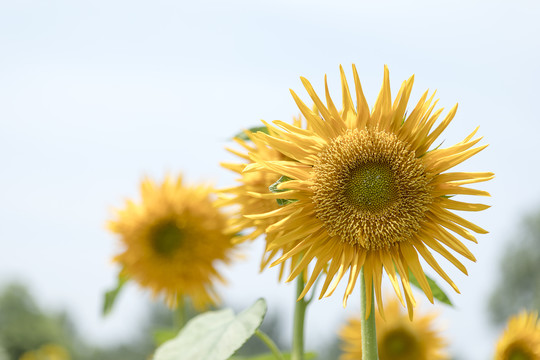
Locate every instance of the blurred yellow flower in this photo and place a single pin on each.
(371, 191)
(521, 339)
(172, 240)
(47, 352)
(398, 338)
(246, 198)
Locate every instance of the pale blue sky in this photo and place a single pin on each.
(94, 95)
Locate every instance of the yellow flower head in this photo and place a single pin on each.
(246, 196)
(398, 338)
(172, 241)
(521, 339)
(370, 190)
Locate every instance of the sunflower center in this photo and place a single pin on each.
(516, 352)
(370, 189)
(399, 344)
(371, 186)
(167, 239)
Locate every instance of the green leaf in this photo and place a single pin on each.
(242, 135)
(270, 356)
(214, 335)
(438, 293)
(162, 335)
(111, 295)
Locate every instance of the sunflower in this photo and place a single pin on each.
(246, 195)
(370, 191)
(172, 241)
(398, 338)
(521, 340)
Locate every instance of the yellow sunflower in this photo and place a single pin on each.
(521, 340)
(398, 338)
(246, 195)
(370, 190)
(172, 241)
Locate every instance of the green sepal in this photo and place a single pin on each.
(242, 134)
(274, 188)
(213, 335)
(282, 202)
(438, 293)
(110, 296)
(436, 147)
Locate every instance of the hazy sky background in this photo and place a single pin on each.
(94, 95)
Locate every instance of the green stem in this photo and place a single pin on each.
(270, 343)
(298, 325)
(180, 315)
(369, 332)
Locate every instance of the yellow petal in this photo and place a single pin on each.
(362, 107)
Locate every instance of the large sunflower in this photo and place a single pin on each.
(521, 340)
(370, 190)
(172, 241)
(246, 196)
(398, 338)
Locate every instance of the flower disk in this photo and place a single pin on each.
(172, 241)
(521, 340)
(369, 191)
(398, 337)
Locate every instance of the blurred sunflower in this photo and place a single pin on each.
(172, 241)
(47, 352)
(521, 340)
(246, 196)
(398, 338)
(371, 191)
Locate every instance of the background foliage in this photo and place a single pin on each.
(518, 285)
(25, 326)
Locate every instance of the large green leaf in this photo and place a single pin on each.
(111, 295)
(270, 356)
(214, 335)
(438, 293)
(242, 135)
(162, 335)
(3, 354)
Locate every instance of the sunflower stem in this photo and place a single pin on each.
(270, 344)
(369, 332)
(179, 316)
(298, 324)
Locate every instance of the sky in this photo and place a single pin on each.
(96, 95)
